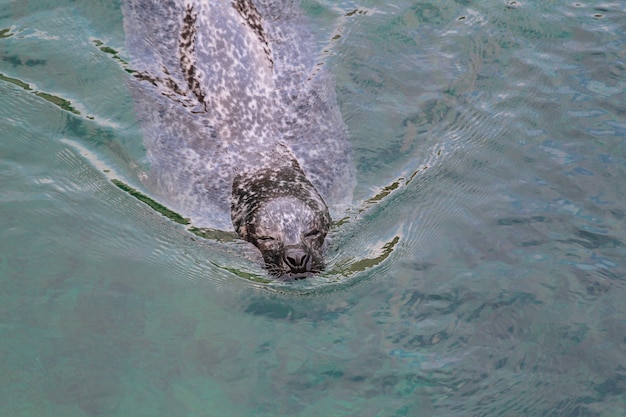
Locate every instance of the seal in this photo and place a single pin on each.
(279, 211)
(241, 124)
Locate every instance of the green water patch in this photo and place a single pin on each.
(5, 33)
(352, 267)
(57, 101)
(64, 104)
(213, 234)
(379, 197)
(111, 52)
(345, 269)
(384, 192)
(341, 276)
(245, 275)
(154, 205)
(204, 233)
(15, 81)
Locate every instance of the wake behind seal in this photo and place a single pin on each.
(240, 122)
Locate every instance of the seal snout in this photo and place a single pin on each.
(297, 259)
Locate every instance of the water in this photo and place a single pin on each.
(479, 273)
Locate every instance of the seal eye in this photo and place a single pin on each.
(313, 233)
(265, 239)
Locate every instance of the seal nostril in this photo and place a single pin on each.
(296, 259)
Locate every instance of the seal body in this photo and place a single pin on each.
(240, 122)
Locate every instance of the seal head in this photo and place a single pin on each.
(278, 210)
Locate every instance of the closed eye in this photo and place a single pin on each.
(312, 233)
(265, 238)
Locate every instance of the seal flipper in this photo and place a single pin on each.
(226, 62)
(250, 14)
(186, 50)
(151, 28)
(188, 38)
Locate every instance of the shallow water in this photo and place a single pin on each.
(479, 273)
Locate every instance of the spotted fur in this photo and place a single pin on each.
(248, 11)
(187, 45)
(238, 117)
(279, 202)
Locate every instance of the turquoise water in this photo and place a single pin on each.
(480, 273)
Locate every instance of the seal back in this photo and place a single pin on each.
(224, 88)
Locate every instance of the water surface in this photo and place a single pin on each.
(480, 271)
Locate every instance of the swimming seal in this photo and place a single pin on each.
(240, 122)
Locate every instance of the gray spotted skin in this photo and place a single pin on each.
(187, 46)
(230, 90)
(279, 211)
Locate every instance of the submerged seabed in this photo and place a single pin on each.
(479, 273)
